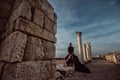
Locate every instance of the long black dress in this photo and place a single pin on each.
(70, 52)
(78, 66)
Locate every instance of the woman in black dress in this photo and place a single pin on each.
(72, 59)
(69, 57)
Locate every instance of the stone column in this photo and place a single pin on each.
(84, 52)
(80, 49)
(89, 56)
(87, 53)
(90, 50)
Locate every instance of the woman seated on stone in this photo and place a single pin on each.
(69, 57)
(72, 60)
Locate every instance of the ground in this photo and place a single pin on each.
(100, 70)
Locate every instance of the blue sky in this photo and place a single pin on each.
(98, 20)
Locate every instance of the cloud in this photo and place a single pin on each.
(113, 2)
(97, 36)
(101, 28)
(63, 40)
(99, 20)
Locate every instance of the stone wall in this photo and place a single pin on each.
(27, 40)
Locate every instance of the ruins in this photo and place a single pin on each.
(27, 40)
(112, 57)
(88, 51)
(80, 49)
(84, 50)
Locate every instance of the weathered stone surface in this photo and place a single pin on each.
(1, 69)
(48, 36)
(38, 49)
(1, 66)
(26, 35)
(38, 17)
(34, 49)
(46, 7)
(2, 25)
(7, 30)
(22, 8)
(48, 49)
(10, 1)
(4, 8)
(12, 47)
(38, 70)
(55, 28)
(50, 25)
(35, 30)
(55, 19)
(53, 69)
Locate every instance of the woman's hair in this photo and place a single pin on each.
(70, 44)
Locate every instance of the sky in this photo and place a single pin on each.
(98, 20)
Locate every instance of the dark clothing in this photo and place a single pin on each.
(70, 62)
(70, 50)
(78, 66)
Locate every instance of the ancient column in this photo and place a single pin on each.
(84, 52)
(80, 49)
(88, 48)
(87, 53)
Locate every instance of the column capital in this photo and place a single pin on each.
(79, 33)
(88, 43)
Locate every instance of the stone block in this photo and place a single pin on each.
(8, 29)
(53, 68)
(12, 47)
(11, 1)
(35, 30)
(34, 49)
(2, 25)
(22, 8)
(4, 8)
(49, 36)
(38, 70)
(38, 17)
(50, 25)
(48, 9)
(1, 68)
(37, 49)
(49, 50)
(45, 6)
